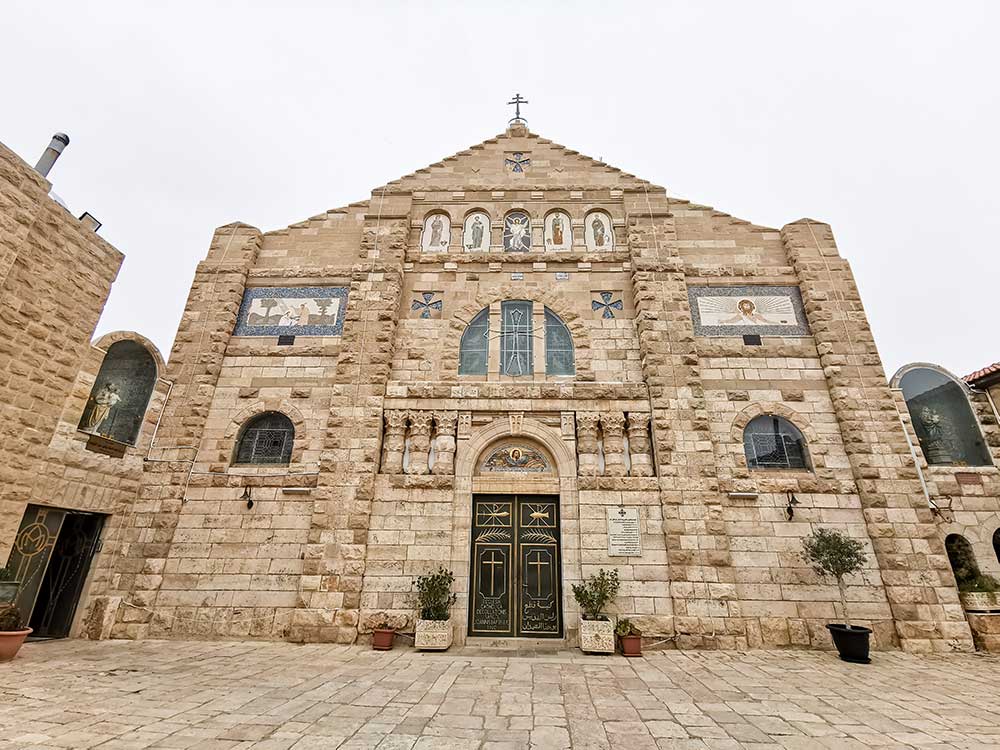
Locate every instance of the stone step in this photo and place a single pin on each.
(521, 645)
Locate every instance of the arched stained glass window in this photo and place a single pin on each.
(946, 428)
(558, 346)
(516, 346)
(265, 439)
(474, 349)
(772, 442)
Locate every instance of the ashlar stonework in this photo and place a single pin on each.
(516, 354)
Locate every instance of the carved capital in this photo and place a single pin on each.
(420, 423)
(586, 423)
(445, 422)
(395, 422)
(613, 424)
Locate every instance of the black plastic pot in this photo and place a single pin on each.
(852, 643)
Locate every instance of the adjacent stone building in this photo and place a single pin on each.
(71, 466)
(524, 365)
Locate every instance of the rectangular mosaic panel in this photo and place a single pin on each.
(741, 310)
(292, 311)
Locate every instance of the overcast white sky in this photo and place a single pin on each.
(880, 118)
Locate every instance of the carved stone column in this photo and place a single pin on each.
(638, 444)
(586, 443)
(613, 427)
(393, 442)
(444, 442)
(420, 441)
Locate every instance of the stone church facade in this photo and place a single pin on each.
(524, 365)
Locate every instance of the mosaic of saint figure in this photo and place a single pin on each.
(517, 233)
(746, 314)
(475, 239)
(436, 226)
(599, 237)
(557, 230)
(103, 402)
(516, 459)
(436, 234)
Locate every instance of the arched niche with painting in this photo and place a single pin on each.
(118, 401)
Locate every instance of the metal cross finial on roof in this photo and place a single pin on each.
(517, 101)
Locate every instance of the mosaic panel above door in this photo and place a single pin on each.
(295, 311)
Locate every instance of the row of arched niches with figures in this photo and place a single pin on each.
(517, 232)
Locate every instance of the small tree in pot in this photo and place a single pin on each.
(597, 634)
(833, 553)
(12, 632)
(434, 600)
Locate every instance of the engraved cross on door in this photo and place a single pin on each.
(515, 580)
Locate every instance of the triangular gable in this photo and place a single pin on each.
(485, 166)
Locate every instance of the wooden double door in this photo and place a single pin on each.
(515, 577)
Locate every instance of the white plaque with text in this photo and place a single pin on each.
(624, 537)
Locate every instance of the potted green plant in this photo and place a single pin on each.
(629, 637)
(383, 633)
(597, 634)
(8, 585)
(12, 632)
(833, 553)
(433, 630)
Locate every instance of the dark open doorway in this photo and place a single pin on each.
(51, 559)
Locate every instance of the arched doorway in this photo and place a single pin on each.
(515, 570)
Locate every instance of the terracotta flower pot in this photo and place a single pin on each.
(10, 642)
(382, 639)
(631, 645)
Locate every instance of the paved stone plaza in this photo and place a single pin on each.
(171, 694)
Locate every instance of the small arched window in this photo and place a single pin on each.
(558, 346)
(474, 349)
(943, 420)
(265, 439)
(772, 442)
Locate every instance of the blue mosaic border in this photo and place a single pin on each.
(694, 292)
(293, 292)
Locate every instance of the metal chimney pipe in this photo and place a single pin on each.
(56, 145)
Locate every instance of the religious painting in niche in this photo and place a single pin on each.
(476, 236)
(735, 311)
(517, 232)
(558, 231)
(437, 234)
(295, 311)
(943, 419)
(598, 232)
(517, 458)
(121, 393)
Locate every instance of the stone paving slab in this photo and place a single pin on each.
(125, 695)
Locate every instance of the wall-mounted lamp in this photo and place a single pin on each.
(943, 508)
(790, 508)
(248, 496)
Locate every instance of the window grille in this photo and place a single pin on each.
(266, 439)
(774, 443)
